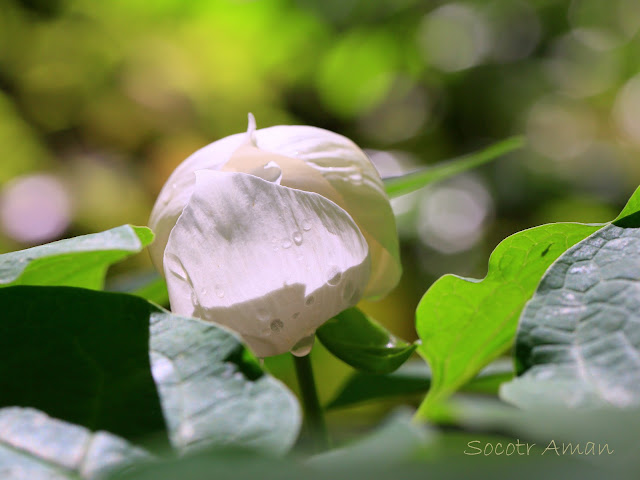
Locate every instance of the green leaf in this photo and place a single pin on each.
(578, 343)
(213, 390)
(630, 215)
(414, 377)
(361, 342)
(83, 356)
(36, 446)
(464, 324)
(75, 262)
(411, 182)
(148, 285)
(80, 356)
(396, 440)
(155, 291)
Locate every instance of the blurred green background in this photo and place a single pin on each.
(100, 101)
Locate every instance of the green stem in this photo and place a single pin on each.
(313, 411)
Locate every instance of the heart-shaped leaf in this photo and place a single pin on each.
(396, 186)
(35, 446)
(579, 338)
(75, 262)
(364, 344)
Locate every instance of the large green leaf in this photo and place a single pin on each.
(213, 390)
(396, 186)
(83, 356)
(464, 324)
(578, 342)
(80, 356)
(414, 377)
(75, 262)
(34, 446)
(359, 341)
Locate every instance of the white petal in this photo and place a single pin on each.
(270, 262)
(357, 186)
(175, 194)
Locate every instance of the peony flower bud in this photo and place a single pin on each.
(273, 232)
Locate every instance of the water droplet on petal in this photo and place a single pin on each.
(276, 325)
(309, 301)
(303, 347)
(335, 275)
(306, 225)
(286, 243)
(297, 238)
(219, 291)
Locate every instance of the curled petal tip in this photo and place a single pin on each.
(251, 129)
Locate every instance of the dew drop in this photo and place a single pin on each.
(219, 291)
(309, 301)
(286, 243)
(334, 275)
(303, 347)
(297, 238)
(262, 314)
(306, 225)
(276, 325)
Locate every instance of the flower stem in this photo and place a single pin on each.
(314, 415)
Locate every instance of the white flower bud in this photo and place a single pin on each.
(273, 232)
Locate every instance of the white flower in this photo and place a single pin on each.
(273, 232)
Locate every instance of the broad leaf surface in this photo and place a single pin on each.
(414, 377)
(464, 324)
(396, 186)
(34, 446)
(359, 341)
(83, 356)
(578, 343)
(80, 356)
(213, 390)
(76, 262)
